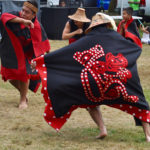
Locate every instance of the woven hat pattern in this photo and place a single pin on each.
(98, 19)
(79, 15)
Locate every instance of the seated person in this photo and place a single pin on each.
(128, 28)
(75, 27)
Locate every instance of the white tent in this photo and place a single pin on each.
(124, 3)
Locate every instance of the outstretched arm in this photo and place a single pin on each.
(144, 29)
(27, 23)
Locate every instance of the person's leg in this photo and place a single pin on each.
(23, 94)
(22, 87)
(16, 84)
(98, 119)
(146, 128)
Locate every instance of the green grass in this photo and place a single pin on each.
(27, 130)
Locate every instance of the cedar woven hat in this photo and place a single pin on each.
(79, 15)
(98, 19)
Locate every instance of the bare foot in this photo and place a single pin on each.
(23, 104)
(146, 129)
(101, 136)
(148, 139)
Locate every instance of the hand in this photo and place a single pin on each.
(144, 29)
(28, 23)
(122, 26)
(33, 65)
(79, 31)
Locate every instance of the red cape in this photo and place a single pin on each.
(131, 31)
(12, 66)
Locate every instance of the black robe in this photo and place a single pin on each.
(130, 31)
(100, 68)
(18, 46)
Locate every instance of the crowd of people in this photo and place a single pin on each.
(97, 67)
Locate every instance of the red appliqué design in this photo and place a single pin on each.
(110, 76)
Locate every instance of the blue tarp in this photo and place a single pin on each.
(103, 3)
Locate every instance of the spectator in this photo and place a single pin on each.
(62, 3)
(128, 28)
(142, 3)
(146, 34)
(135, 4)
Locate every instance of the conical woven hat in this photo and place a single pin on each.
(79, 15)
(97, 20)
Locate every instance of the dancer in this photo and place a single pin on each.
(128, 28)
(73, 31)
(23, 38)
(99, 68)
(76, 26)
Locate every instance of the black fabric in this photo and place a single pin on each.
(6, 47)
(27, 48)
(64, 81)
(54, 19)
(7, 51)
(74, 28)
(16, 29)
(44, 36)
(20, 33)
(33, 85)
(133, 29)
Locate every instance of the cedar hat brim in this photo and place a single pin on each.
(80, 16)
(97, 19)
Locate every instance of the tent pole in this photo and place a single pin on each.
(121, 7)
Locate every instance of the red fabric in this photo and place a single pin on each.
(49, 114)
(134, 38)
(113, 64)
(142, 3)
(34, 77)
(119, 27)
(20, 73)
(57, 123)
(72, 40)
(39, 48)
(128, 34)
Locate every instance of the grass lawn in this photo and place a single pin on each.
(27, 130)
